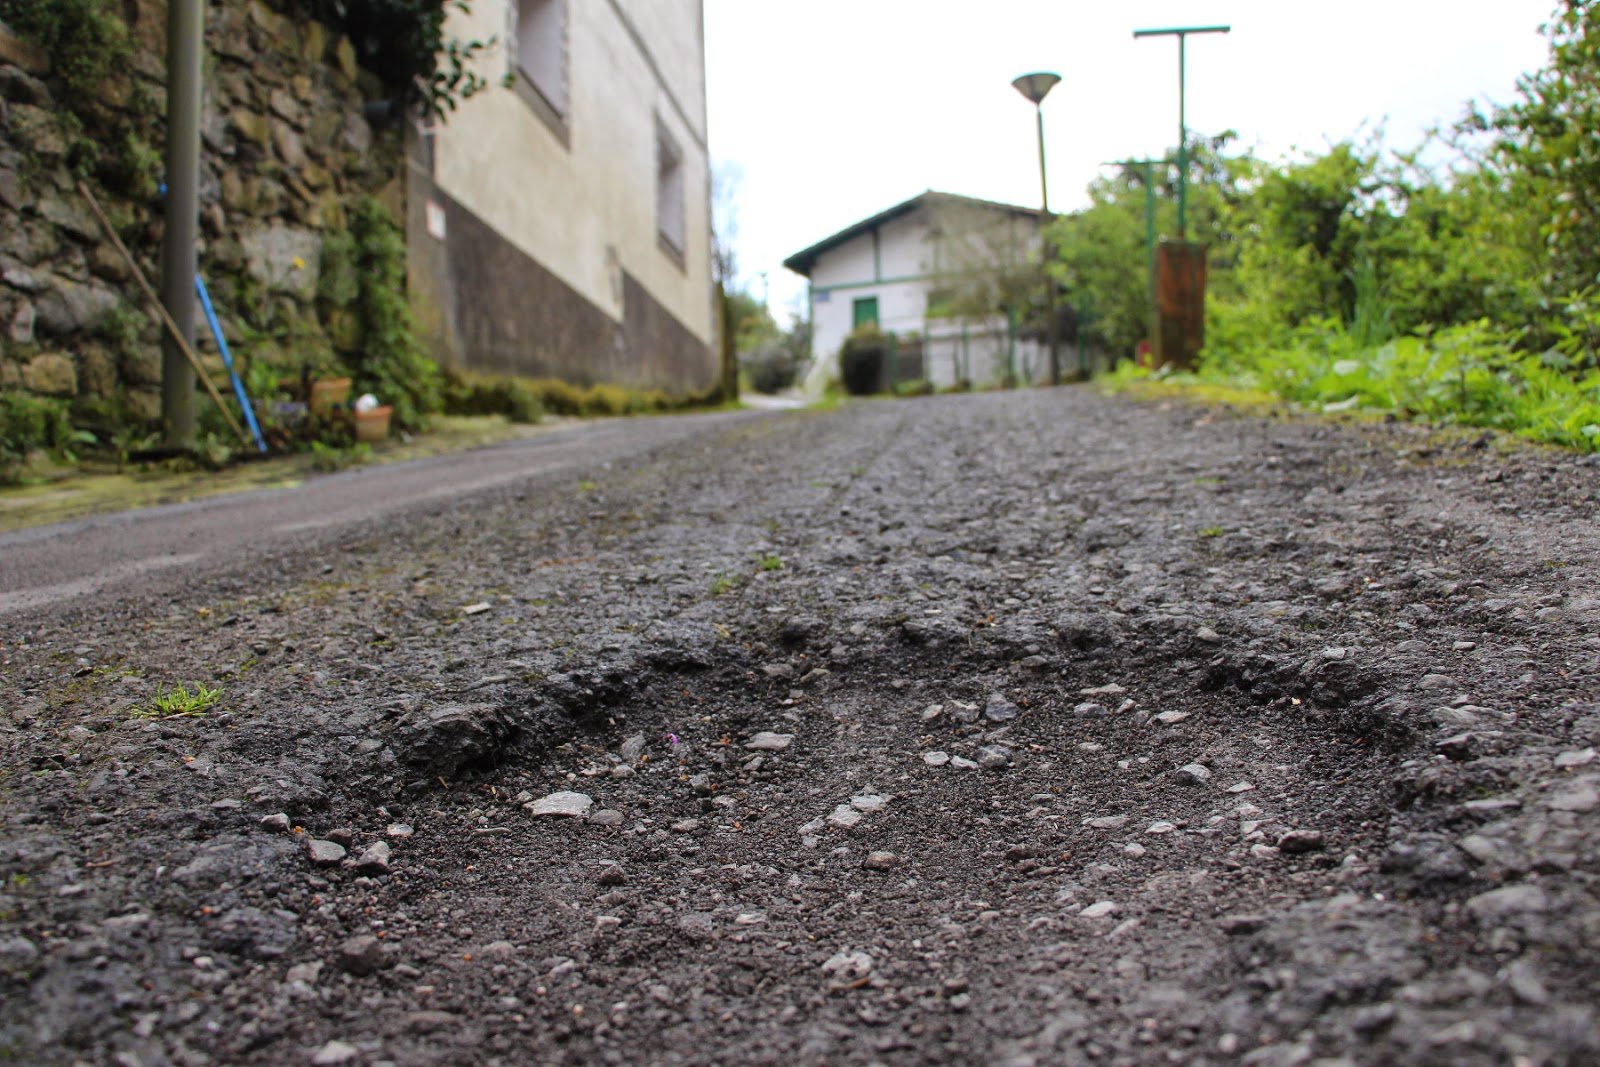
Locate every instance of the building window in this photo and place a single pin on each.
(538, 37)
(670, 222)
(542, 48)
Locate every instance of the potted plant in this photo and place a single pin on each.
(328, 394)
(371, 420)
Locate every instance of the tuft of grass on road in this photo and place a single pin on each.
(179, 703)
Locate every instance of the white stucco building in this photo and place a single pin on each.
(560, 220)
(921, 270)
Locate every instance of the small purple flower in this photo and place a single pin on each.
(671, 739)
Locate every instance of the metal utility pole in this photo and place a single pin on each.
(1145, 167)
(1180, 274)
(1035, 87)
(1182, 34)
(185, 39)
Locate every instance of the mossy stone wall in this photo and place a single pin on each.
(285, 151)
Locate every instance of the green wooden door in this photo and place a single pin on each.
(866, 311)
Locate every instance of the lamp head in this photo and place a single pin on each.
(1034, 86)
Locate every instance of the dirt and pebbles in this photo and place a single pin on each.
(1027, 728)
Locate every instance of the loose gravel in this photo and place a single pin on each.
(1022, 728)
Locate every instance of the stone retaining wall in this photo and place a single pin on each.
(285, 150)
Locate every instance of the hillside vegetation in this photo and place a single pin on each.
(1363, 278)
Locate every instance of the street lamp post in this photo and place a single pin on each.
(1035, 87)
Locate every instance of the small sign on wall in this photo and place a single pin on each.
(823, 296)
(436, 223)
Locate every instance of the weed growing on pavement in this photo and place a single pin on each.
(725, 583)
(770, 563)
(330, 458)
(179, 703)
(829, 400)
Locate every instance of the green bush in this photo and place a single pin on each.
(521, 403)
(647, 401)
(558, 397)
(771, 366)
(467, 393)
(1472, 375)
(604, 399)
(85, 39)
(31, 424)
(861, 360)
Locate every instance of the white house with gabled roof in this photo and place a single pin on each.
(932, 271)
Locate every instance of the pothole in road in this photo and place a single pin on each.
(949, 826)
(1050, 772)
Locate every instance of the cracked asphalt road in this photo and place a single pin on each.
(1023, 728)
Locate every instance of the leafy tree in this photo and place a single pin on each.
(985, 260)
(753, 324)
(1101, 259)
(1546, 151)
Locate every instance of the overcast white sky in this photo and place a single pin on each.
(833, 110)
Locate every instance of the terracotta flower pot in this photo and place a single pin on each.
(372, 425)
(328, 393)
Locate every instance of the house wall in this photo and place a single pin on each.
(551, 263)
(896, 264)
(891, 267)
(852, 263)
(900, 310)
(906, 251)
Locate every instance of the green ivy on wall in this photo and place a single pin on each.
(403, 42)
(392, 364)
(85, 39)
